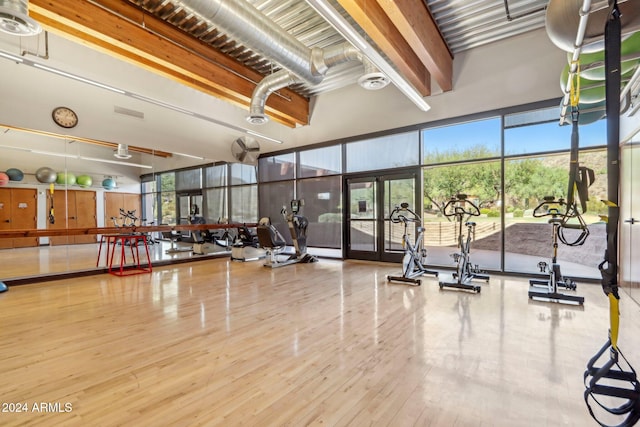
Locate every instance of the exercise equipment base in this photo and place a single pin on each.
(546, 283)
(555, 296)
(464, 284)
(468, 287)
(304, 259)
(413, 279)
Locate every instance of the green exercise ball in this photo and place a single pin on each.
(46, 175)
(15, 174)
(66, 178)
(84, 181)
(587, 96)
(629, 46)
(588, 113)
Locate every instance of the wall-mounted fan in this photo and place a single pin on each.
(245, 150)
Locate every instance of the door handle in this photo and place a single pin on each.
(72, 217)
(7, 220)
(630, 221)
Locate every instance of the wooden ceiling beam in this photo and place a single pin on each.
(419, 29)
(375, 22)
(122, 30)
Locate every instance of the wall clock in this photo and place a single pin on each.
(64, 117)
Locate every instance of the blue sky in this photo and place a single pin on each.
(526, 139)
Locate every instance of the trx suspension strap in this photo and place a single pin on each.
(580, 177)
(52, 218)
(613, 386)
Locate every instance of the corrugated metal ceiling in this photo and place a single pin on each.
(465, 24)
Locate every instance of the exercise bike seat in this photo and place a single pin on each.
(269, 237)
(420, 229)
(555, 221)
(470, 224)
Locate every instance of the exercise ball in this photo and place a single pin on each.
(15, 174)
(563, 18)
(46, 175)
(66, 178)
(629, 47)
(3, 287)
(4, 179)
(84, 181)
(108, 184)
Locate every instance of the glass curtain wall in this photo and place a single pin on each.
(320, 186)
(216, 208)
(168, 211)
(530, 177)
(150, 209)
(227, 192)
(276, 190)
(243, 193)
(463, 159)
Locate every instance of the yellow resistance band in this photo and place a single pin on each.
(614, 320)
(574, 84)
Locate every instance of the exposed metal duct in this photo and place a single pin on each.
(243, 22)
(329, 58)
(14, 18)
(268, 85)
(250, 27)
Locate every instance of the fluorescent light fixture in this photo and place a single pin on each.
(75, 77)
(49, 153)
(73, 156)
(139, 97)
(11, 57)
(331, 15)
(191, 156)
(115, 162)
(160, 103)
(256, 134)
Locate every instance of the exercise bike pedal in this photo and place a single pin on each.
(570, 284)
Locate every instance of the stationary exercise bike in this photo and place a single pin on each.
(415, 255)
(553, 208)
(462, 209)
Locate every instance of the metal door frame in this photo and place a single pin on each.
(379, 254)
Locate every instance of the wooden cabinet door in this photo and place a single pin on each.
(74, 209)
(18, 210)
(85, 214)
(5, 216)
(64, 209)
(113, 202)
(24, 211)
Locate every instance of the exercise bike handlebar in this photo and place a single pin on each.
(398, 214)
(550, 206)
(460, 206)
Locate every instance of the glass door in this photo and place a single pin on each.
(369, 233)
(629, 258)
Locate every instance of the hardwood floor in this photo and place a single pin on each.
(218, 342)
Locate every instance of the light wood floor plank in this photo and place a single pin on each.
(222, 343)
